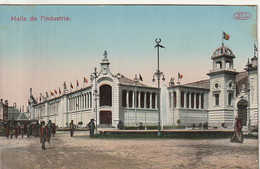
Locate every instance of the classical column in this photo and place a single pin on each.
(190, 99)
(127, 98)
(150, 101)
(199, 100)
(184, 99)
(139, 99)
(133, 99)
(145, 100)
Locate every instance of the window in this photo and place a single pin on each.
(192, 100)
(202, 101)
(130, 98)
(170, 99)
(216, 85)
(105, 95)
(187, 99)
(228, 65)
(197, 100)
(142, 99)
(216, 99)
(175, 100)
(148, 100)
(153, 100)
(182, 99)
(230, 98)
(124, 98)
(219, 65)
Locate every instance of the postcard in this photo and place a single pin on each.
(129, 86)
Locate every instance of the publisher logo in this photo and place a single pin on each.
(242, 16)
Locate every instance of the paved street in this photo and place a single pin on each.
(83, 152)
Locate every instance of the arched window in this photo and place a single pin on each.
(130, 98)
(170, 99)
(142, 99)
(202, 101)
(153, 100)
(188, 100)
(197, 100)
(148, 100)
(90, 99)
(174, 99)
(192, 100)
(105, 92)
(230, 98)
(124, 98)
(182, 99)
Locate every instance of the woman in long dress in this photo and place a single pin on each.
(238, 135)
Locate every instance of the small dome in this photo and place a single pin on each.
(223, 50)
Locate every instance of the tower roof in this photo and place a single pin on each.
(222, 51)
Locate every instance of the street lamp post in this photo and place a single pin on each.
(94, 75)
(136, 80)
(158, 74)
(14, 106)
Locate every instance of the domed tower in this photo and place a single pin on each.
(222, 88)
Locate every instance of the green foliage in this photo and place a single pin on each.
(179, 127)
(80, 123)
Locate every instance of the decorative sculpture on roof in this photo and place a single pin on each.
(64, 86)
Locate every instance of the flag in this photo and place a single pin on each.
(59, 91)
(85, 80)
(52, 93)
(47, 94)
(255, 47)
(140, 77)
(71, 86)
(55, 91)
(226, 36)
(77, 83)
(180, 76)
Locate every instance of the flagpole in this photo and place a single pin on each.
(222, 38)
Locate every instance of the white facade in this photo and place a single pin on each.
(216, 101)
(118, 98)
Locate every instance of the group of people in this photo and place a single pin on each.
(29, 129)
(21, 128)
(91, 126)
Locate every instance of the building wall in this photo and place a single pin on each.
(253, 85)
(186, 113)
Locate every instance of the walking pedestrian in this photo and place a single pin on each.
(91, 126)
(43, 134)
(238, 135)
(71, 128)
(22, 129)
(7, 129)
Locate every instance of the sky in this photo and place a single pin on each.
(43, 54)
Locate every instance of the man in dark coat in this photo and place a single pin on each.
(53, 129)
(91, 126)
(43, 134)
(49, 128)
(7, 130)
(37, 128)
(22, 129)
(71, 128)
(238, 135)
(28, 129)
(16, 130)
